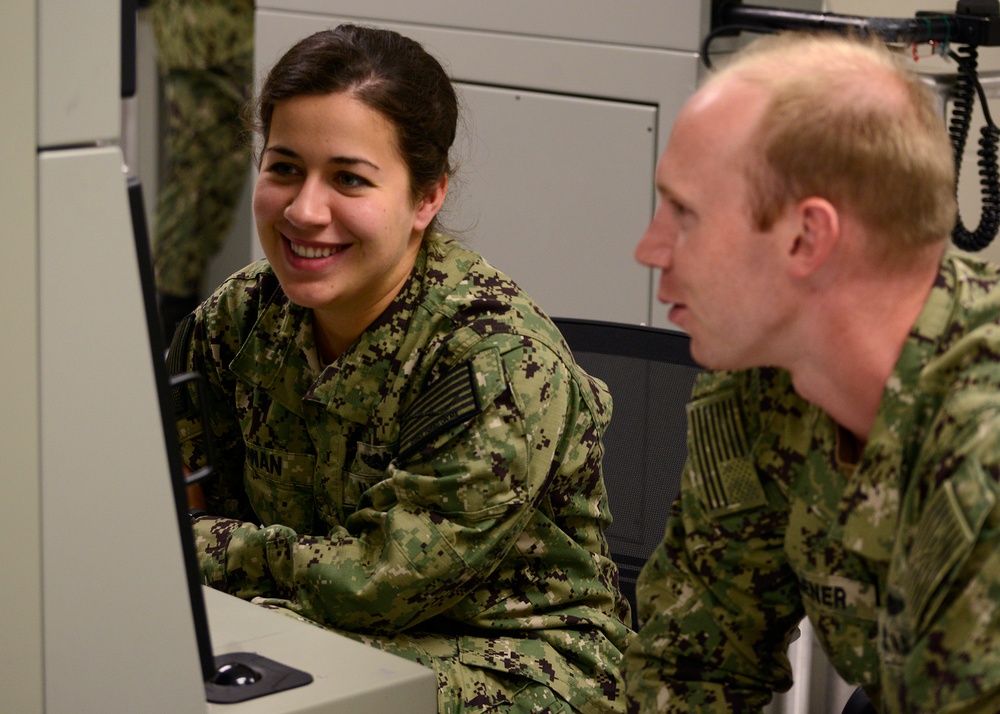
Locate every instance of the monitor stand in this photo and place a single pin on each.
(228, 678)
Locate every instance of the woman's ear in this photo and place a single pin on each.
(430, 204)
(818, 231)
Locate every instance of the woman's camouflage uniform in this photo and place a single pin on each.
(436, 491)
(893, 553)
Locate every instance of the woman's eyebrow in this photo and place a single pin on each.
(339, 160)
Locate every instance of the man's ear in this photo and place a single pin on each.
(818, 231)
(431, 203)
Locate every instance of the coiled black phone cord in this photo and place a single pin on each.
(966, 87)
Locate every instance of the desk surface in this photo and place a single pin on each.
(347, 676)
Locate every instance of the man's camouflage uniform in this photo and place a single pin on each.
(436, 491)
(893, 551)
(205, 57)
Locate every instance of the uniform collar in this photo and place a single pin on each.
(355, 381)
(279, 355)
(871, 502)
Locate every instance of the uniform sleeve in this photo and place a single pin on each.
(940, 632)
(205, 419)
(202, 34)
(717, 599)
(451, 508)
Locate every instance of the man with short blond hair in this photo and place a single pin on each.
(844, 444)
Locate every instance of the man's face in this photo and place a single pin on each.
(721, 276)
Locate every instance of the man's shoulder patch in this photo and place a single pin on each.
(720, 452)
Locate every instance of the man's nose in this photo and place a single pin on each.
(656, 247)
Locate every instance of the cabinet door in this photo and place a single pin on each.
(556, 191)
(79, 71)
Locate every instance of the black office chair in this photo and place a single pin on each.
(650, 374)
(859, 703)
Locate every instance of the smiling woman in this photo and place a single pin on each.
(334, 212)
(406, 450)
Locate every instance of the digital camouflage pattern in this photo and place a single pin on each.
(892, 548)
(205, 57)
(436, 491)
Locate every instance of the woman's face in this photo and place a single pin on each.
(333, 207)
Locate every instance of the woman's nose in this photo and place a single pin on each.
(309, 207)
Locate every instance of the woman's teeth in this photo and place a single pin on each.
(308, 251)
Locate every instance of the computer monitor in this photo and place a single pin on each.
(231, 677)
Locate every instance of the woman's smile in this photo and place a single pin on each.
(315, 251)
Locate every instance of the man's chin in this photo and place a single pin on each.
(708, 358)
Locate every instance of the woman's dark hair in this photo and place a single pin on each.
(390, 73)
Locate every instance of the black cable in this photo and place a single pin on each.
(967, 86)
(924, 28)
(724, 31)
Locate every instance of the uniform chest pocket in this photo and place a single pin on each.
(280, 486)
(367, 469)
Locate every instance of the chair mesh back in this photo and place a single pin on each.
(650, 374)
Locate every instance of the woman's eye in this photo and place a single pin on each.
(349, 180)
(282, 168)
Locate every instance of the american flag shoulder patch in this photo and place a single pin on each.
(451, 400)
(720, 454)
